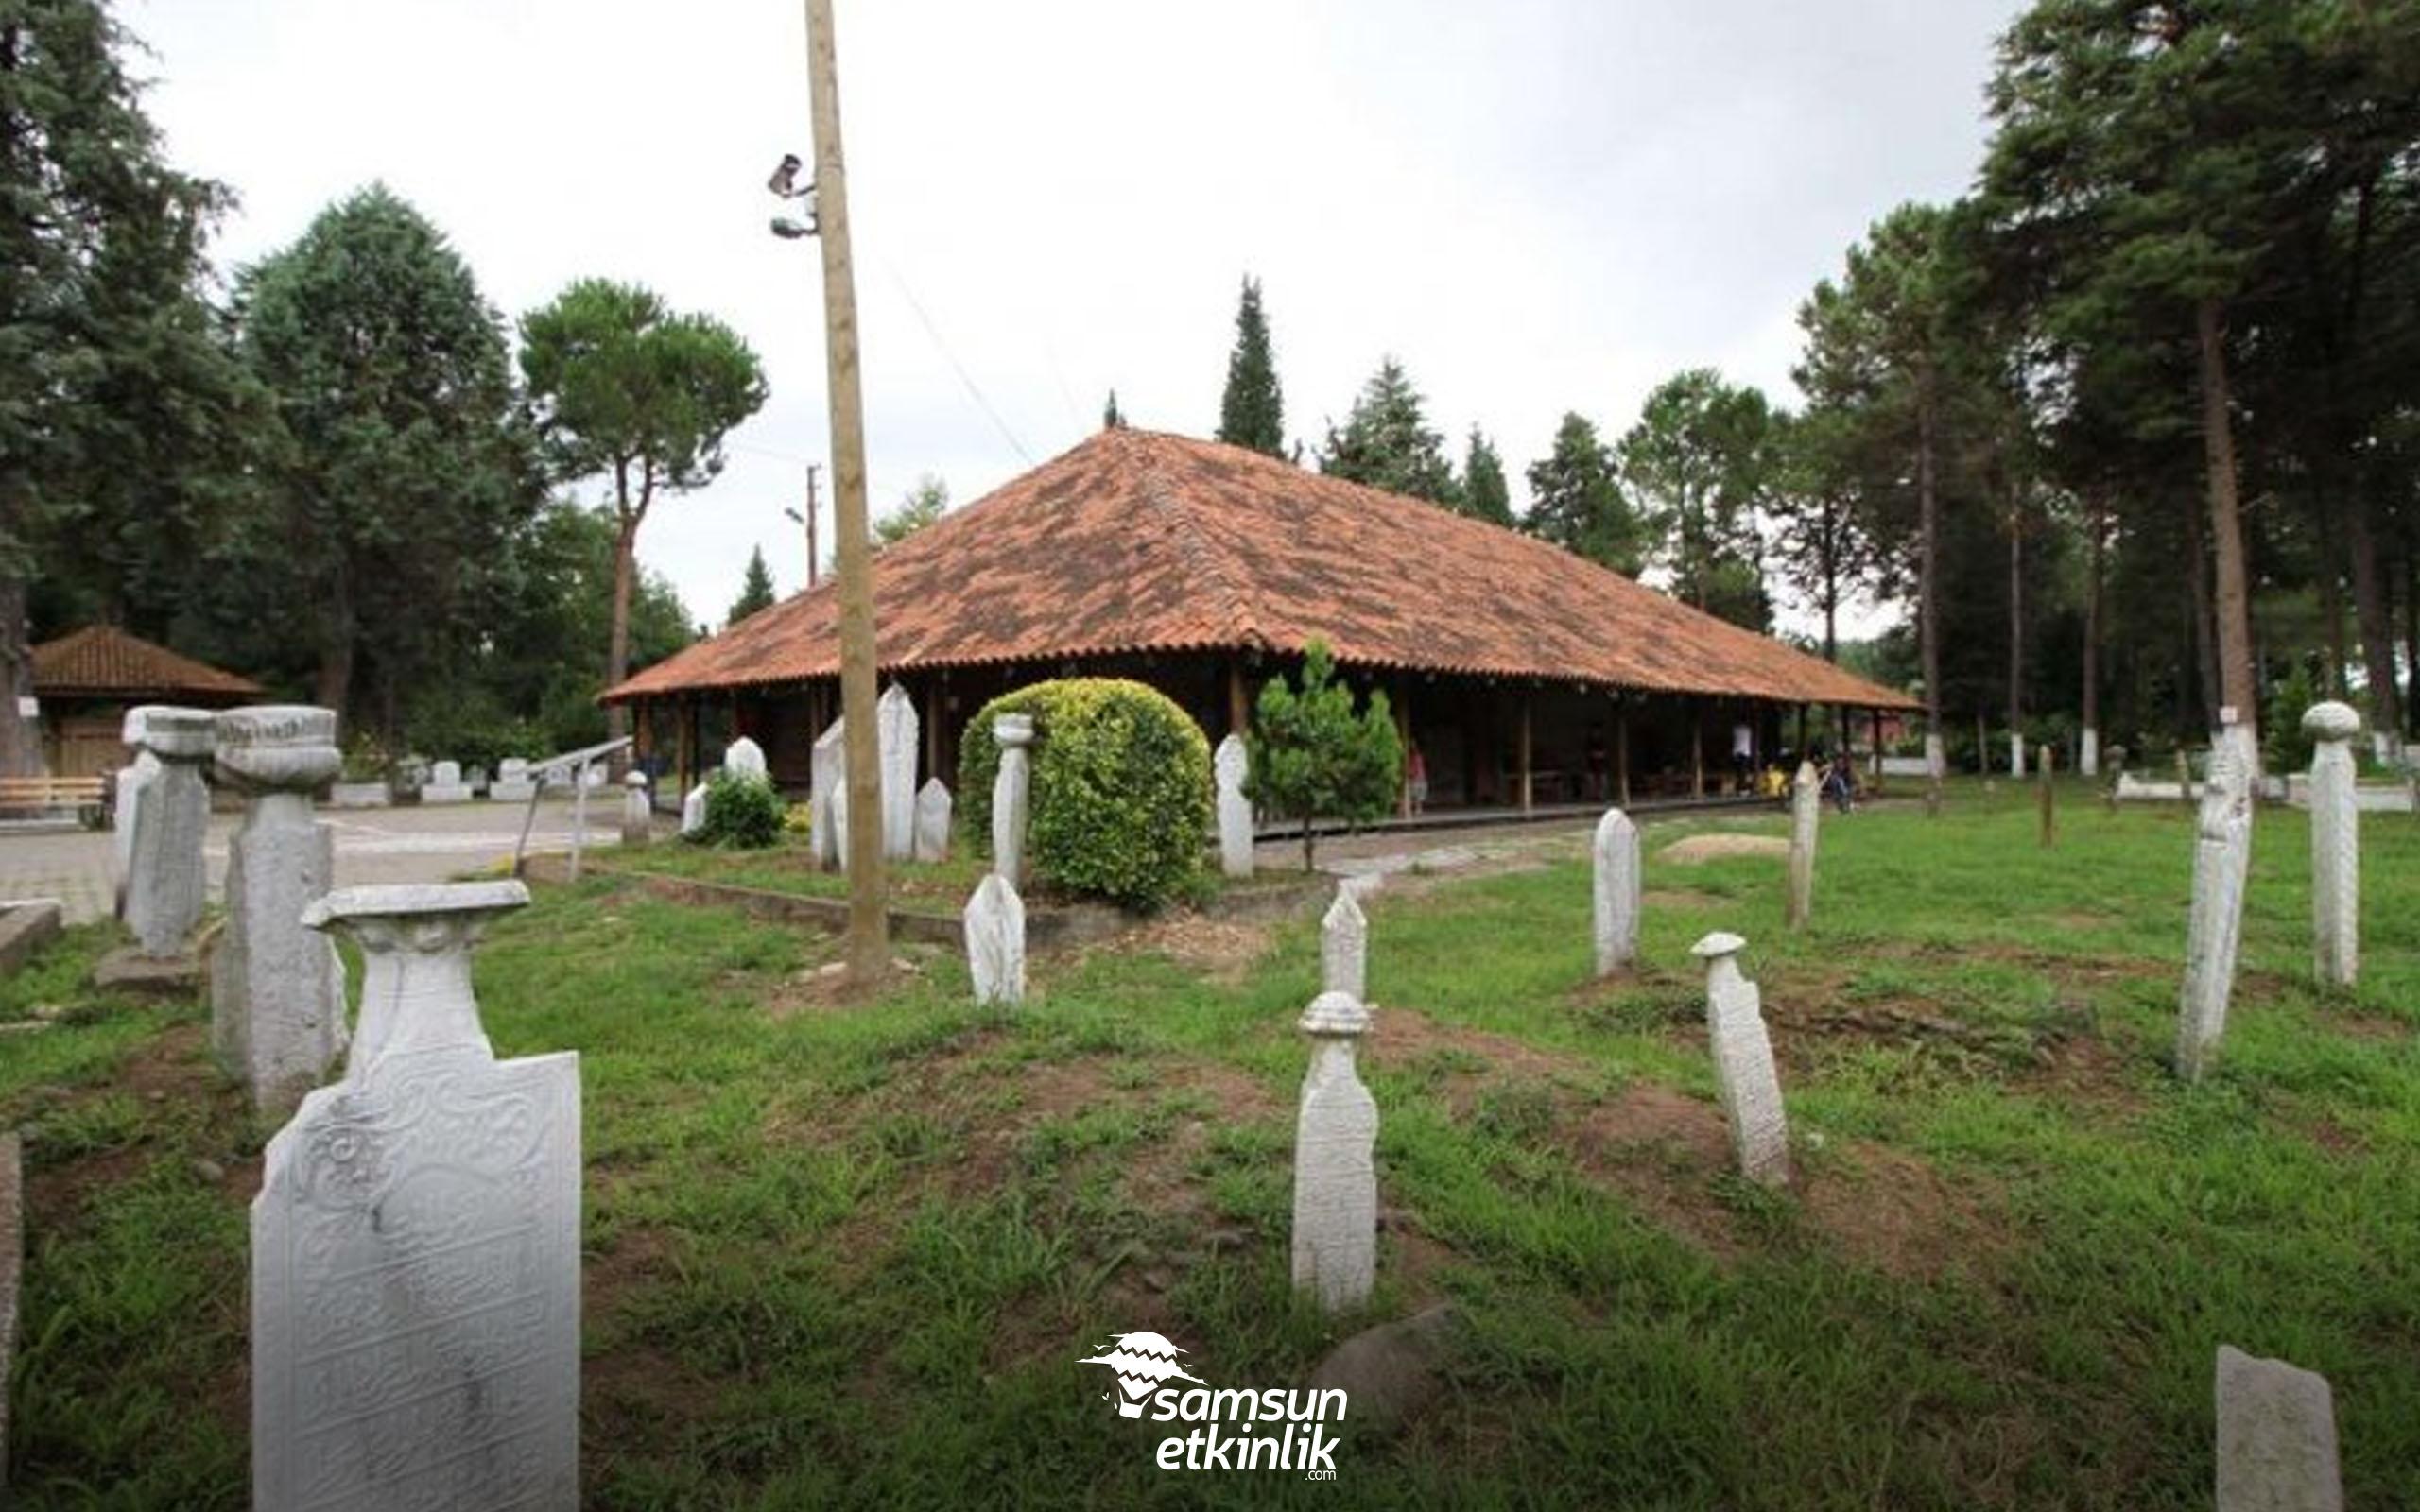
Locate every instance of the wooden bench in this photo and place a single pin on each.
(44, 794)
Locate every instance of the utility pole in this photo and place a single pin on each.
(867, 955)
(813, 572)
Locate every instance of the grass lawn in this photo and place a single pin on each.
(850, 1255)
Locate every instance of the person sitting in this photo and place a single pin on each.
(1840, 783)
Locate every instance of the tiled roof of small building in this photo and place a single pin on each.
(103, 661)
(1139, 541)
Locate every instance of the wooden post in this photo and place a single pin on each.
(933, 724)
(1238, 701)
(2049, 815)
(1878, 743)
(1526, 795)
(1802, 731)
(688, 717)
(1621, 750)
(1403, 734)
(1697, 745)
(867, 950)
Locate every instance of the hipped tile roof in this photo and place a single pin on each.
(103, 661)
(1137, 540)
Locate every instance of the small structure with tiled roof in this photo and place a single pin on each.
(87, 680)
(1525, 674)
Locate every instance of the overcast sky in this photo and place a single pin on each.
(1539, 207)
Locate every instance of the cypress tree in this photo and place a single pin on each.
(1252, 413)
(1484, 494)
(755, 590)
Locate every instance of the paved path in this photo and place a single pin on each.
(396, 844)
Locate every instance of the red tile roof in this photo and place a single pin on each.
(1139, 541)
(103, 661)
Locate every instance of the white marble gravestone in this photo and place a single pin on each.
(416, 1290)
(836, 818)
(2089, 752)
(165, 878)
(744, 758)
(693, 810)
(2334, 844)
(1344, 948)
(2276, 1437)
(445, 785)
(135, 781)
(995, 940)
(2015, 753)
(638, 810)
(828, 773)
(932, 820)
(1743, 1063)
(896, 727)
(512, 783)
(2222, 856)
(1805, 814)
(276, 988)
(1336, 1176)
(1011, 794)
(1231, 766)
(1616, 855)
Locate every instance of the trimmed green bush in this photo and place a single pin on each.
(741, 811)
(1122, 788)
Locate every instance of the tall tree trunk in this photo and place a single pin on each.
(2331, 617)
(333, 686)
(617, 654)
(20, 750)
(1928, 571)
(2377, 619)
(2095, 557)
(2411, 635)
(2237, 684)
(2017, 635)
(2206, 657)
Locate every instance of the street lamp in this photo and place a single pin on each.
(784, 184)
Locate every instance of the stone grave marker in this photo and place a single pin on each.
(1344, 948)
(135, 781)
(1743, 1063)
(693, 810)
(164, 880)
(836, 815)
(1614, 852)
(744, 758)
(932, 820)
(415, 1293)
(2221, 855)
(1805, 814)
(1336, 1178)
(1230, 766)
(896, 728)
(2276, 1437)
(2334, 844)
(445, 785)
(277, 987)
(638, 810)
(828, 774)
(1009, 795)
(512, 784)
(996, 941)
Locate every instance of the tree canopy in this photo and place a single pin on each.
(1252, 412)
(1386, 441)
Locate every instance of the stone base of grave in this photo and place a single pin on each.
(501, 792)
(128, 969)
(1391, 1373)
(359, 796)
(24, 928)
(448, 793)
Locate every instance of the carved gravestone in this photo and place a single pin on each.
(416, 1244)
(277, 987)
(2276, 1437)
(2221, 855)
(1615, 854)
(1231, 766)
(512, 783)
(1806, 812)
(896, 728)
(1743, 1063)
(2089, 752)
(744, 758)
(932, 820)
(445, 785)
(829, 774)
(996, 941)
(1009, 795)
(1344, 948)
(836, 815)
(1336, 1178)
(693, 810)
(2334, 844)
(134, 784)
(638, 812)
(164, 880)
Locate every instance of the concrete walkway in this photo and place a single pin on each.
(398, 845)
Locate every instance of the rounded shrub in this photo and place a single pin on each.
(1121, 803)
(741, 811)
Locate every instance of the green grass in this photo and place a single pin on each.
(847, 1255)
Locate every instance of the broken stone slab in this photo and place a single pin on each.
(128, 969)
(1344, 948)
(165, 880)
(1336, 1179)
(932, 820)
(996, 941)
(26, 926)
(1391, 1373)
(1230, 767)
(1613, 852)
(2276, 1437)
(896, 729)
(1010, 795)
(2334, 844)
(1743, 1063)
(415, 1256)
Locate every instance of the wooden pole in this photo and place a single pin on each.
(1239, 702)
(1526, 796)
(867, 947)
(1403, 735)
(2049, 813)
(1697, 745)
(1622, 750)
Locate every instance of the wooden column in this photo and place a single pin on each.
(1403, 733)
(1526, 795)
(1622, 750)
(1238, 701)
(687, 715)
(1697, 745)
(933, 725)
(1878, 743)
(1802, 731)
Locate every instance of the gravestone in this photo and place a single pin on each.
(1009, 795)
(1743, 1063)
(165, 878)
(1231, 766)
(828, 773)
(1615, 854)
(1344, 948)
(134, 781)
(2221, 854)
(1336, 1176)
(693, 810)
(996, 941)
(2276, 1437)
(932, 820)
(2089, 752)
(744, 758)
(276, 988)
(416, 1290)
(638, 810)
(896, 727)
(836, 815)
(445, 785)
(1806, 812)
(512, 784)
(2015, 753)
(2334, 844)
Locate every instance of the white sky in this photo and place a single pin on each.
(1538, 206)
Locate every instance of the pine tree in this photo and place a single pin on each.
(1387, 443)
(1575, 501)
(1253, 412)
(755, 589)
(1696, 465)
(1484, 493)
(1110, 418)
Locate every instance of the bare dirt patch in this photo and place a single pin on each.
(1698, 848)
(1221, 950)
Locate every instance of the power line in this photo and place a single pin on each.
(959, 368)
